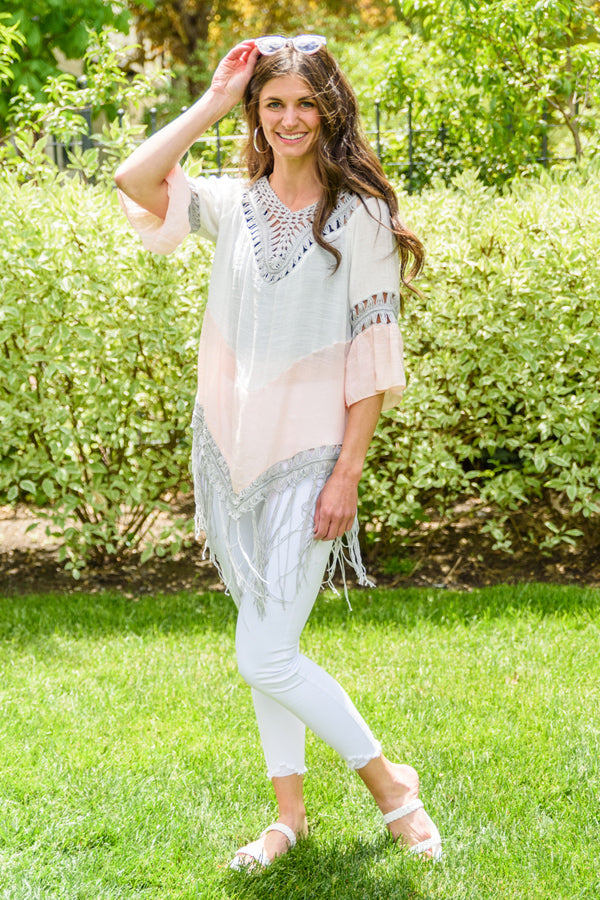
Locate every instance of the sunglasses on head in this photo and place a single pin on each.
(305, 43)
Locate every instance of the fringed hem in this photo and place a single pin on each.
(346, 551)
(358, 762)
(258, 518)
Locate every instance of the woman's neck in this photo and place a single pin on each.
(296, 183)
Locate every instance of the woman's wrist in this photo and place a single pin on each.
(215, 105)
(350, 470)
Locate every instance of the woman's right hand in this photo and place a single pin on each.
(235, 71)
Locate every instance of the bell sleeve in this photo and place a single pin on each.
(375, 362)
(195, 205)
(162, 235)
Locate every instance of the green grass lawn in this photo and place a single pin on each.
(130, 765)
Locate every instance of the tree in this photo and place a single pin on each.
(193, 34)
(11, 40)
(491, 78)
(47, 26)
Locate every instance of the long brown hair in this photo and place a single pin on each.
(344, 159)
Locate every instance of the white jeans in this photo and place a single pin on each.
(289, 691)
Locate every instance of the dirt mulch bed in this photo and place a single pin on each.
(458, 557)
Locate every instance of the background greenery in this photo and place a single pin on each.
(127, 767)
(500, 85)
(98, 345)
(97, 339)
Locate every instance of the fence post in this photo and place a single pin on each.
(442, 135)
(86, 113)
(153, 120)
(55, 149)
(410, 147)
(378, 129)
(218, 146)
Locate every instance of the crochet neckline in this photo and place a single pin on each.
(280, 205)
(280, 236)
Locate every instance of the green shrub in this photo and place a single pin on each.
(97, 366)
(98, 345)
(503, 351)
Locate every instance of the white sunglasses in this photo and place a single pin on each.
(305, 43)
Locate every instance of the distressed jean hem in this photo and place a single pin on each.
(358, 762)
(283, 770)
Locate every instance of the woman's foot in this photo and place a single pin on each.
(276, 844)
(271, 844)
(393, 786)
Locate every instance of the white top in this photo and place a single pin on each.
(287, 343)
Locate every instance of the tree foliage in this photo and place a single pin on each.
(59, 112)
(11, 40)
(492, 81)
(47, 26)
(194, 34)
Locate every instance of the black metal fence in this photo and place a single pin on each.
(398, 147)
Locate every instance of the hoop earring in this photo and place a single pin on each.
(256, 147)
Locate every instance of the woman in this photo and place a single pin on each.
(300, 350)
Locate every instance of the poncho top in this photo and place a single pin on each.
(287, 345)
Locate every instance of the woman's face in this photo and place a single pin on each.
(289, 117)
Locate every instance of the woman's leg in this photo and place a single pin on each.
(267, 644)
(270, 661)
(282, 733)
(289, 690)
(392, 786)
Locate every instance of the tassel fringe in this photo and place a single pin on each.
(219, 511)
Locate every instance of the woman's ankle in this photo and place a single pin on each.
(289, 794)
(390, 784)
(296, 820)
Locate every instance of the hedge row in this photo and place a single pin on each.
(97, 367)
(98, 346)
(503, 349)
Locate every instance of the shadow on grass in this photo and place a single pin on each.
(348, 870)
(27, 618)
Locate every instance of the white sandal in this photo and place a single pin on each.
(256, 850)
(433, 843)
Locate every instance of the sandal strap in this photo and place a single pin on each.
(284, 829)
(255, 851)
(423, 846)
(402, 811)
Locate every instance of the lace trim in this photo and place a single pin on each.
(357, 762)
(212, 480)
(281, 237)
(194, 211)
(284, 769)
(381, 308)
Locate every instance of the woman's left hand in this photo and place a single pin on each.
(337, 503)
(336, 507)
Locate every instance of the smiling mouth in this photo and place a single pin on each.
(292, 138)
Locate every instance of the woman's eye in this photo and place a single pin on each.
(307, 104)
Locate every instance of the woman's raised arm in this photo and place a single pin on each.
(142, 175)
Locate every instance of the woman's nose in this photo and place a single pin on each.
(290, 116)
